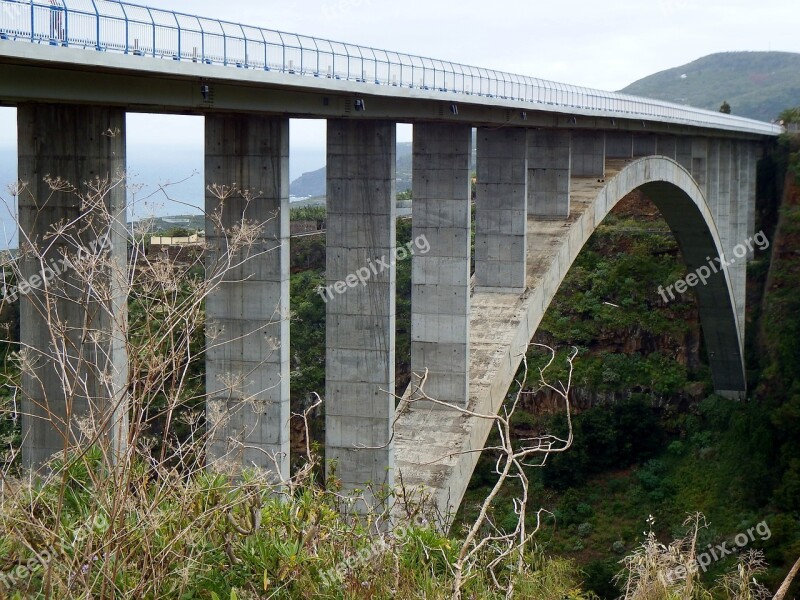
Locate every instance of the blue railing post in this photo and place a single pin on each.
(153, 23)
(178, 24)
(97, 25)
(127, 28)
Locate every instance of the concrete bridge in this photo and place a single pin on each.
(552, 161)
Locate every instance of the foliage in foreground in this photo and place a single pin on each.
(148, 532)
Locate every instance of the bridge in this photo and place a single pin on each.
(552, 161)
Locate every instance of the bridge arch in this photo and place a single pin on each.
(687, 212)
(435, 451)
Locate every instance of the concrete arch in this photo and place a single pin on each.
(436, 450)
(685, 208)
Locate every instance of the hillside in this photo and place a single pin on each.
(758, 85)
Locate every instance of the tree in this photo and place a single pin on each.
(725, 108)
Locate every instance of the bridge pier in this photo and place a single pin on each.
(589, 154)
(73, 336)
(549, 163)
(501, 229)
(247, 357)
(360, 272)
(644, 144)
(666, 145)
(619, 144)
(440, 281)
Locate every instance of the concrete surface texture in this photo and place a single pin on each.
(436, 450)
(360, 361)
(72, 334)
(247, 310)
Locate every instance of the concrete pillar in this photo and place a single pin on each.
(440, 280)
(750, 191)
(724, 187)
(247, 323)
(644, 144)
(737, 257)
(78, 359)
(549, 156)
(666, 145)
(692, 155)
(360, 273)
(501, 227)
(712, 197)
(619, 144)
(700, 162)
(589, 154)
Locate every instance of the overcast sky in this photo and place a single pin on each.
(606, 44)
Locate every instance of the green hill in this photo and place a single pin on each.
(758, 85)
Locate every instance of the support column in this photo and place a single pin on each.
(440, 280)
(750, 191)
(549, 159)
(74, 337)
(644, 144)
(247, 359)
(724, 186)
(589, 154)
(712, 197)
(692, 155)
(619, 144)
(360, 273)
(501, 227)
(738, 227)
(666, 145)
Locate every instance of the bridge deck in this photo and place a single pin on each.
(435, 448)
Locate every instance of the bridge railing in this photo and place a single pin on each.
(112, 26)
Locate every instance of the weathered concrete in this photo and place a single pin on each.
(359, 383)
(750, 169)
(692, 155)
(619, 144)
(644, 144)
(436, 452)
(667, 145)
(85, 147)
(247, 359)
(549, 160)
(588, 154)
(440, 279)
(500, 210)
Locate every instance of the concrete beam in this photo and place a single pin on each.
(360, 379)
(549, 160)
(247, 359)
(501, 210)
(440, 280)
(589, 154)
(71, 378)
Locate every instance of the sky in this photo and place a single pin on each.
(607, 45)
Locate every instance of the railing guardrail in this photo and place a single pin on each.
(113, 26)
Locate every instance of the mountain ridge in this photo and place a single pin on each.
(758, 85)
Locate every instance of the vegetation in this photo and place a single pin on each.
(758, 85)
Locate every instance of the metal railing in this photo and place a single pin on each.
(113, 26)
